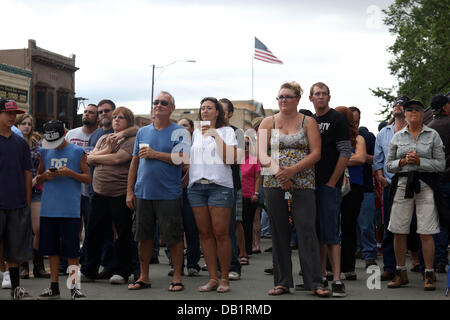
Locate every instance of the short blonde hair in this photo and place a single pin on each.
(293, 86)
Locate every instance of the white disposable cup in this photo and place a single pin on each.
(205, 123)
(142, 145)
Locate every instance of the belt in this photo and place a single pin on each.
(204, 181)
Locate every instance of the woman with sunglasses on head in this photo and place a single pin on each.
(351, 202)
(289, 145)
(416, 156)
(210, 189)
(25, 124)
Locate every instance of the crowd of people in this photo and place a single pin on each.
(317, 182)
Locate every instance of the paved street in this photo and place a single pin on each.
(254, 285)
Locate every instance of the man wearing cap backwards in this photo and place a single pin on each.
(416, 155)
(440, 105)
(15, 197)
(63, 168)
(382, 142)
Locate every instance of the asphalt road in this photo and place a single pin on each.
(253, 285)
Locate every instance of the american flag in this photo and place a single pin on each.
(263, 53)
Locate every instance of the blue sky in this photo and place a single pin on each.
(342, 43)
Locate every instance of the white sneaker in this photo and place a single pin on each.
(6, 283)
(117, 279)
(234, 275)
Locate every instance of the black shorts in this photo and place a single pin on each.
(60, 237)
(16, 234)
(169, 215)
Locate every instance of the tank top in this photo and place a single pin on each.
(356, 173)
(292, 149)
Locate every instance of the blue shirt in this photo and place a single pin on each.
(159, 180)
(15, 159)
(17, 131)
(61, 196)
(382, 142)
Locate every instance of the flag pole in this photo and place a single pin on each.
(253, 62)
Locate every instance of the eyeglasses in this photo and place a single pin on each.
(286, 97)
(105, 111)
(411, 109)
(165, 103)
(118, 117)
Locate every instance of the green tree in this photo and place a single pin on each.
(421, 51)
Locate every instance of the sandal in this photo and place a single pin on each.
(223, 288)
(176, 284)
(138, 285)
(207, 287)
(244, 261)
(278, 290)
(322, 293)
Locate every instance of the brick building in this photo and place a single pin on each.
(52, 91)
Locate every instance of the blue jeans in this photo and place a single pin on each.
(235, 264)
(387, 244)
(328, 203)
(265, 224)
(366, 222)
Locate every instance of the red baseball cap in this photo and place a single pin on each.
(9, 105)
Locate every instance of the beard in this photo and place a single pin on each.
(105, 122)
(86, 122)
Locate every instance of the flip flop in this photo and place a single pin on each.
(140, 284)
(244, 261)
(176, 284)
(278, 291)
(325, 293)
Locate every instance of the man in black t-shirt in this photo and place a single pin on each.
(336, 150)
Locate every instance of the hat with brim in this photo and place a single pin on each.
(413, 103)
(53, 134)
(9, 105)
(256, 122)
(438, 102)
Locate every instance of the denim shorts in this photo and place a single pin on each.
(212, 195)
(36, 195)
(328, 203)
(60, 237)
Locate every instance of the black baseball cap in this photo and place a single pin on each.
(401, 100)
(53, 134)
(439, 101)
(413, 103)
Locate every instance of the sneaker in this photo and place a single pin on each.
(171, 272)
(76, 294)
(400, 279)
(338, 289)
(430, 281)
(232, 275)
(268, 270)
(117, 279)
(104, 275)
(84, 278)
(350, 276)
(6, 283)
(19, 293)
(192, 272)
(49, 294)
(205, 268)
(440, 267)
(370, 263)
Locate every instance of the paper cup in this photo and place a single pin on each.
(142, 145)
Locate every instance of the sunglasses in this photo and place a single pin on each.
(105, 111)
(410, 109)
(164, 103)
(286, 97)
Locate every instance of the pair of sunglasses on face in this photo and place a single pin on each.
(164, 103)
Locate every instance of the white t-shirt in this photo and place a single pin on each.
(78, 137)
(205, 162)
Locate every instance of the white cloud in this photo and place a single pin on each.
(116, 42)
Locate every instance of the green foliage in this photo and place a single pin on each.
(421, 51)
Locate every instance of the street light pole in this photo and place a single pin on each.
(162, 67)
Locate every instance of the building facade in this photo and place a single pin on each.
(53, 82)
(15, 83)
